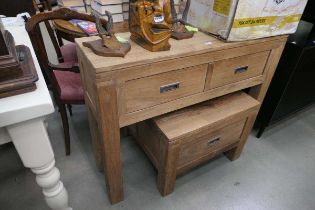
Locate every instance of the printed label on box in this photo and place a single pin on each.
(277, 21)
(222, 6)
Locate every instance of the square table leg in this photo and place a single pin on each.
(110, 136)
(258, 93)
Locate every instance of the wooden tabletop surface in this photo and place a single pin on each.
(68, 27)
(137, 56)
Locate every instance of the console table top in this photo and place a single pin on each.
(200, 43)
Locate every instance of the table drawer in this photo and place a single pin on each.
(153, 90)
(209, 142)
(232, 70)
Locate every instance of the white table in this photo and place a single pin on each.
(22, 122)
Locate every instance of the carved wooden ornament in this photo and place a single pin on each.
(148, 24)
(108, 45)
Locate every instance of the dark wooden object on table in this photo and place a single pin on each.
(23, 82)
(179, 30)
(9, 61)
(17, 71)
(51, 70)
(3, 49)
(97, 47)
(108, 45)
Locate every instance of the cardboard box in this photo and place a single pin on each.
(238, 20)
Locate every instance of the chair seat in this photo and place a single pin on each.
(69, 86)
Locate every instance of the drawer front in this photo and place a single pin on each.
(149, 91)
(210, 142)
(236, 69)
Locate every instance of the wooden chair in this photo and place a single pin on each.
(63, 77)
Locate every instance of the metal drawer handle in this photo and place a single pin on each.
(241, 70)
(213, 141)
(169, 87)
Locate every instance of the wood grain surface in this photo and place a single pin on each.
(113, 91)
(200, 43)
(182, 140)
(146, 92)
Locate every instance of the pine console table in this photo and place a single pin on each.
(123, 91)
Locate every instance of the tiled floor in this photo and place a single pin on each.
(274, 172)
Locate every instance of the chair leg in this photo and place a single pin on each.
(69, 109)
(261, 131)
(63, 113)
(59, 38)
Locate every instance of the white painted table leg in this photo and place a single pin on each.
(32, 143)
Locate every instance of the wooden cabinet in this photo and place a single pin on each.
(120, 92)
(292, 88)
(181, 140)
